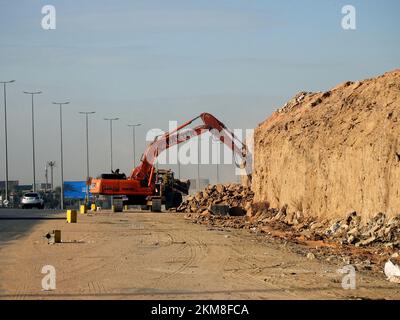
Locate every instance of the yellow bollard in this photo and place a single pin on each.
(117, 205)
(71, 216)
(93, 207)
(82, 209)
(117, 208)
(126, 208)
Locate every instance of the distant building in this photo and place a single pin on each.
(12, 184)
(24, 187)
(45, 186)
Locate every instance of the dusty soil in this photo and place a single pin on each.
(138, 255)
(330, 153)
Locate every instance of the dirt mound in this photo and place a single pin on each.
(330, 153)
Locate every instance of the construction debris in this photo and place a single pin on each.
(231, 199)
(311, 256)
(392, 272)
(210, 206)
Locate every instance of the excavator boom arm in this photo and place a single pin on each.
(145, 170)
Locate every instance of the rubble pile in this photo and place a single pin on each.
(232, 195)
(380, 230)
(350, 230)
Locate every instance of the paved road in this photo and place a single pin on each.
(15, 223)
(148, 255)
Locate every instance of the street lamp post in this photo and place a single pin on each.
(46, 176)
(216, 143)
(5, 133)
(179, 162)
(60, 104)
(87, 113)
(111, 139)
(218, 169)
(51, 164)
(198, 162)
(133, 126)
(33, 138)
(177, 151)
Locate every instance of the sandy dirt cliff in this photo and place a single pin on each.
(330, 153)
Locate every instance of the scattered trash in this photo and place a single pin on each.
(310, 256)
(53, 236)
(392, 271)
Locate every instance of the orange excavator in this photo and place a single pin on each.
(151, 187)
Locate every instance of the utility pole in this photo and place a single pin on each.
(51, 164)
(177, 151)
(111, 139)
(87, 113)
(60, 104)
(216, 143)
(133, 126)
(179, 162)
(33, 138)
(5, 133)
(218, 160)
(46, 177)
(198, 162)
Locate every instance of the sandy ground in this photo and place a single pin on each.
(141, 255)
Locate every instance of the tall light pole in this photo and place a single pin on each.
(133, 126)
(218, 147)
(218, 159)
(179, 162)
(216, 143)
(177, 151)
(5, 132)
(51, 164)
(111, 139)
(87, 113)
(198, 162)
(46, 176)
(60, 104)
(33, 138)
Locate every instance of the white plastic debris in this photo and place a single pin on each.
(392, 272)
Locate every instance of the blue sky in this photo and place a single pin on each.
(154, 61)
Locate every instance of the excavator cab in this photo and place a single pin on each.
(170, 189)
